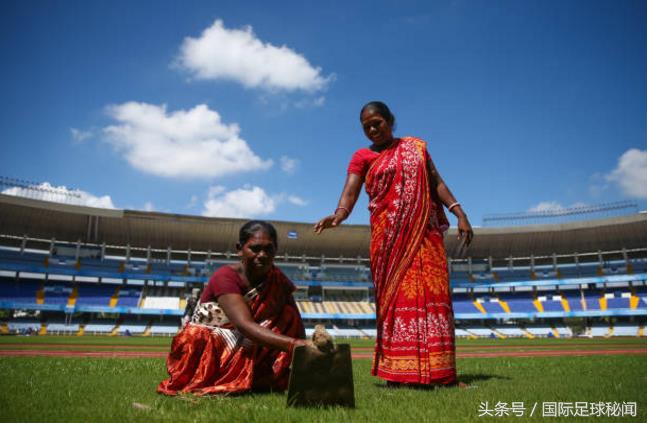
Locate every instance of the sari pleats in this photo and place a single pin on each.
(415, 321)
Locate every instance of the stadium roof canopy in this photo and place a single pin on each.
(47, 220)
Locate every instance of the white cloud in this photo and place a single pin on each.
(546, 206)
(246, 202)
(598, 185)
(80, 135)
(191, 143)
(307, 103)
(60, 194)
(192, 202)
(553, 207)
(631, 173)
(148, 206)
(288, 165)
(238, 55)
(297, 201)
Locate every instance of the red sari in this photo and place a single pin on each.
(415, 320)
(208, 360)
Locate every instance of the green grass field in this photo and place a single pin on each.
(69, 389)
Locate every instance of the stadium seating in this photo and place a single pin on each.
(479, 331)
(541, 331)
(336, 291)
(95, 294)
(24, 326)
(99, 327)
(164, 329)
(625, 330)
(520, 302)
(510, 331)
(552, 302)
(599, 330)
(22, 291)
(57, 293)
(129, 296)
(61, 328)
(134, 327)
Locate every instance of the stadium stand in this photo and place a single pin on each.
(59, 261)
(99, 327)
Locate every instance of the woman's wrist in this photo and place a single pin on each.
(342, 212)
(458, 211)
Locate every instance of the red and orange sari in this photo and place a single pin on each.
(208, 360)
(415, 321)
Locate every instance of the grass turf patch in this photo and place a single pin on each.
(37, 389)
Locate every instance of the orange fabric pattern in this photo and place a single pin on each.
(208, 360)
(415, 321)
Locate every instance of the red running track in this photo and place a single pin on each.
(163, 354)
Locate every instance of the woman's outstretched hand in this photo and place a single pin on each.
(331, 221)
(465, 232)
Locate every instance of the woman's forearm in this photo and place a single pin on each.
(349, 195)
(263, 336)
(240, 316)
(448, 199)
(437, 185)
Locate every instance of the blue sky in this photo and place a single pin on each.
(250, 109)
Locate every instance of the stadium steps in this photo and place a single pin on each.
(4, 329)
(115, 297)
(478, 306)
(526, 332)
(43, 329)
(565, 304)
(366, 335)
(470, 334)
(610, 332)
(504, 306)
(554, 330)
(538, 305)
(304, 306)
(603, 302)
(330, 307)
(71, 301)
(81, 331)
(40, 294)
(115, 330)
(497, 333)
(634, 300)
(583, 303)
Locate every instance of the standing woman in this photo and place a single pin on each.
(415, 320)
(243, 331)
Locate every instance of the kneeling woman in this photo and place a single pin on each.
(242, 334)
